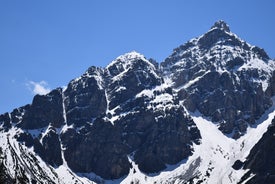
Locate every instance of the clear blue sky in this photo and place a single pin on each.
(46, 43)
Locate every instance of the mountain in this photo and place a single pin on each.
(200, 116)
(223, 77)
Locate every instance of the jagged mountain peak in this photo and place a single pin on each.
(132, 117)
(222, 25)
(217, 49)
(219, 65)
(220, 34)
(131, 62)
(127, 59)
(129, 56)
(217, 39)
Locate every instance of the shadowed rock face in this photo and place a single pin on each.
(84, 98)
(44, 110)
(260, 161)
(234, 106)
(270, 91)
(164, 138)
(128, 125)
(97, 149)
(134, 110)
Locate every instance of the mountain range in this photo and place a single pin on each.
(203, 115)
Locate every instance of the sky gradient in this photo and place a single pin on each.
(45, 44)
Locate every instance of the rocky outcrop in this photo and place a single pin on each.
(234, 106)
(52, 148)
(127, 76)
(5, 121)
(270, 91)
(165, 141)
(260, 162)
(84, 98)
(97, 149)
(45, 110)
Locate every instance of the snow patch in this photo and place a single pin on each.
(127, 58)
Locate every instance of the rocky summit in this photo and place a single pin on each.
(223, 77)
(196, 117)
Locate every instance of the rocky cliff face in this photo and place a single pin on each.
(136, 112)
(106, 116)
(260, 162)
(223, 77)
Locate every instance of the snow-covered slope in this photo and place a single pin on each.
(19, 164)
(212, 160)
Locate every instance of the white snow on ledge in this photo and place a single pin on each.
(128, 57)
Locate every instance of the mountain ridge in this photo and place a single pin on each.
(133, 115)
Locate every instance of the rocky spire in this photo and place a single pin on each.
(221, 25)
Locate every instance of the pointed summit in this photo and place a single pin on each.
(221, 25)
(129, 61)
(127, 58)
